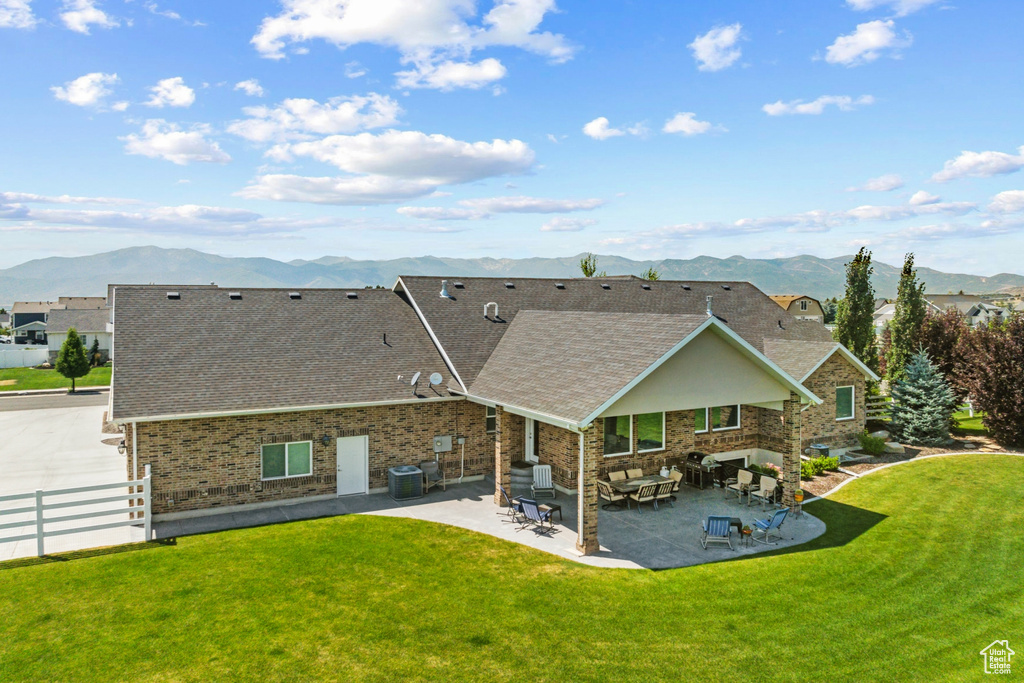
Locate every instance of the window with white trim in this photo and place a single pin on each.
(492, 419)
(845, 406)
(700, 421)
(725, 417)
(650, 430)
(803, 305)
(618, 435)
(283, 460)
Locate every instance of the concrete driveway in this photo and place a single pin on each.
(57, 447)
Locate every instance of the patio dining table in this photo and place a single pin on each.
(627, 486)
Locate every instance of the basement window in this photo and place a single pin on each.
(284, 460)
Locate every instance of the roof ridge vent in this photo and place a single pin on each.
(605, 285)
(174, 295)
(236, 296)
(351, 295)
(559, 285)
(294, 295)
(510, 285)
(686, 287)
(645, 286)
(727, 288)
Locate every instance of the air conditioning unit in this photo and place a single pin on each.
(405, 482)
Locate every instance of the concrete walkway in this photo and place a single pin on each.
(660, 539)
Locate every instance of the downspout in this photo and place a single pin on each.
(462, 463)
(135, 451)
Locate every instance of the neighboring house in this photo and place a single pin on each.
(5, 320)
(81, 302)
(801, 307)
(90, 323)
(977, 310)
(286, 396)
(28, 321)
(882, 316)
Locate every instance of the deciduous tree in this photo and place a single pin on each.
(855, 327)
(992, 375)
(906, 321)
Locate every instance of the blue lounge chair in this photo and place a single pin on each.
(534, 515)
(513, 507)
(767, 526)
(717, 530)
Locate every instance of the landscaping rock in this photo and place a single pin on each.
(968, 445)
(880, 434)
(893, 447)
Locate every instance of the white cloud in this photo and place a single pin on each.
(921, 198)
(883, 183)
(437, 213)
(448, 75)
(687, 124)
(299, 119)
(901, 7)
(531, 204)
(355, 70)
(716, 49)
(980, 165)
(818, 106)
(426, 32)
(159, 139)
(867, 43)
(79, 15)
(29, 198)
(599, 129)
(351, 191)
(562, 224)
(86, 91)
(171, 92)
(16, 14)
(897, 213)
(1010, 201)
(251, 87)
(120, 106)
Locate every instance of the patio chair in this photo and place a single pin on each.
(542, 480)
(766, 491)
(634, 473)
(768, 525)
(677, 480)
(716, 530)
(532, 514)
(744, 480)
(606, 492)
(664, 493)
(432, 476)
(514, 509)
(618, 475)
(646, 494)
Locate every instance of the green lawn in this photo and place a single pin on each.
(30, 378)
(970, 425)
(919, 570)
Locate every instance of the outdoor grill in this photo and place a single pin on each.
(696, 474)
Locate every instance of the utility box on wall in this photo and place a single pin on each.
(442, 444)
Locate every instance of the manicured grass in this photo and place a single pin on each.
(919, 570)
(30, 378)
(970, 425)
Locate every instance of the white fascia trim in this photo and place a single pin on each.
(546, 418)
(738, 340)
(426, 325)
(288, 409)
(856, 362)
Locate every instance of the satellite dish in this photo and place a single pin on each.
(415, 379)
(436, 378)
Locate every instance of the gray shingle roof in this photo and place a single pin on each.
(797, 358)
(568, 363)
(82, 319)
(82, 301)
(469, 339)
(207, 353)
(32, 306)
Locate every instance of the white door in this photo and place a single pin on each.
(353, 464)
(532, 444)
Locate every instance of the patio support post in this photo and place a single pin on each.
(591, 452)
(791, 418)
(509, 437)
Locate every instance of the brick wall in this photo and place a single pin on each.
(208, 463)
(560, 448)
(819, 422)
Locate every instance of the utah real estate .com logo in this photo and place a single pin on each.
(997, 657)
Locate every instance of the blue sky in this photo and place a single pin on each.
(385, 128)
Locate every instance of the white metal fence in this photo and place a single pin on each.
(33, 515)
(20, 356)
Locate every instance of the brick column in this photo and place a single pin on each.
(592, 443)
(791, 424)
(509, 438)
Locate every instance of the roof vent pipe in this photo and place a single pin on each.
(709, 305)
(488, 305)
(444, 290)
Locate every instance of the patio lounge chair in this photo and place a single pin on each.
(744, 480)
(542, 480)
(646, 494)
(432, 476)
(514, 509)
(618, 475)
(664, 493)
(716, 530)
(606, 492)
(765, 492)
(767, 526)
(634, 473)
(532, 514)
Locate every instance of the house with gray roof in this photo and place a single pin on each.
(28, 321)
(91, 324)
(292, 395)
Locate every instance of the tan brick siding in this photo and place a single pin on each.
(819, 422)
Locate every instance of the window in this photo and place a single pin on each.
(700, 420)
(650, 432)
(725, 417)
(844, 403)
(492, 420)
(618, 435)
(282, 460)
(803, 305)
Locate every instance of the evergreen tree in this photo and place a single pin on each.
(829, 310)
(907, 321)
(94, 351)
(855, 327)
(922, 404)
(71, 360)
(884, 345)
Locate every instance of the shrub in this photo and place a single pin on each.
(807, 470)
(830, 463)
(872, 445)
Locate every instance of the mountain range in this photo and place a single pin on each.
(48, 278)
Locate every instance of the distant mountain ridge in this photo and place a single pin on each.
(48, 278)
